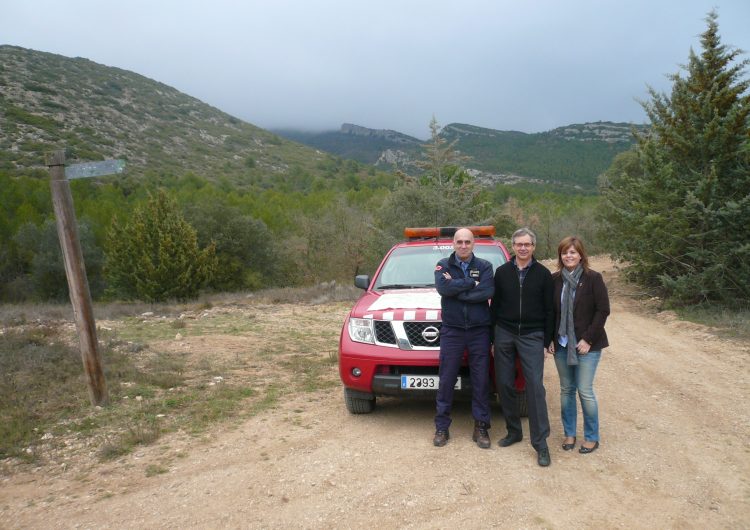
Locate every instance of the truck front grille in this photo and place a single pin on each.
(414, 333)
(386, 334)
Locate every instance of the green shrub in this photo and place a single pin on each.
(154, 255)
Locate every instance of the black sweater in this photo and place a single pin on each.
(522, 309)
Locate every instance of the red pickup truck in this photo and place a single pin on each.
(390, 341)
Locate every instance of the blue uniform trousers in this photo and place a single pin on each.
(453, 342)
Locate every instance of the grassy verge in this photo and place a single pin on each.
(725, 323)
(241, 363)
(731, 324)
(40, 384)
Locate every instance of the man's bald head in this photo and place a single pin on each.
(463, 243)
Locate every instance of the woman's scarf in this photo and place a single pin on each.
(567, 328)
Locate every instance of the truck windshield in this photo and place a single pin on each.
(413, 267)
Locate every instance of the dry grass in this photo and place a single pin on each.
(29, 312)
(168, 367)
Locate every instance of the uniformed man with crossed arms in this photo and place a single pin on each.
(465, 283)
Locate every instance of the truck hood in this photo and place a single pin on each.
(411, 304)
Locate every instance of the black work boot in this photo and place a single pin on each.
(481, 436)
(441, 438)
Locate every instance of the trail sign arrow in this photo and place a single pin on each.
(94, 169)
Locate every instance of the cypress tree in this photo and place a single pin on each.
(678, 206)
(154, 256)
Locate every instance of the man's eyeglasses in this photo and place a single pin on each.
(523, 245)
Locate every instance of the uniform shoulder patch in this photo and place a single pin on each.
(439, 268)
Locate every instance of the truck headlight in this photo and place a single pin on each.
(361, 330)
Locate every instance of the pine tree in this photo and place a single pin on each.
(440, 160)
(444, 194)
(678, 206)
(154, 256)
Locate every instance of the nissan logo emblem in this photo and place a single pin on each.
(430, 334)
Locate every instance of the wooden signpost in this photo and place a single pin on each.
(75, 270)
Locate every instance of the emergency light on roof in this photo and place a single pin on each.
(446, 231)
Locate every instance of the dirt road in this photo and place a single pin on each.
(675, 415)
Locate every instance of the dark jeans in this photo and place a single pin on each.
(530, 349)
(453, 343)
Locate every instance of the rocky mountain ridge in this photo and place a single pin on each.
(387, 134)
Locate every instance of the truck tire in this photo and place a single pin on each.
(358, 405)
(523, 405)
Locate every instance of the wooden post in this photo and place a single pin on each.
(75, 270)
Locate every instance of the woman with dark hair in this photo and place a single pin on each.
(581, 309)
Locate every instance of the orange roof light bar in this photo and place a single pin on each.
(447, 231)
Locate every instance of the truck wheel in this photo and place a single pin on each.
(523, 405)
(358, 405)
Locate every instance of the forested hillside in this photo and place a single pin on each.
(250, 209)
(255, 195)
(574, 155)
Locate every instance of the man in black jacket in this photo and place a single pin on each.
(465, 286)
(523, 315)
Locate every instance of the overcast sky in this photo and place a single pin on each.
(525, 65)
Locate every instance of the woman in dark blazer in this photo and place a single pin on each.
(581, 309)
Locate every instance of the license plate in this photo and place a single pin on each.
(423, 382)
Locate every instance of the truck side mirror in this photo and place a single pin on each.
(362, 281)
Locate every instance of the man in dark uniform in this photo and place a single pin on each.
(523, 315)
(465, 286)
